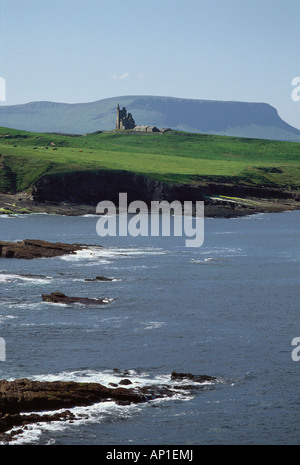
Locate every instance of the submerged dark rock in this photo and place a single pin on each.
(99, 278)
(60, 298)
(125, 382)
(197, 378)
(33, 248)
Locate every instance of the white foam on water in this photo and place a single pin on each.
(6, 277)
(96, 413)
(152, 325)
(255, 216)
(104, 256)
(25, 305)
(88, 254)
(218, 254)
(106, 377)
(206, 261)
(13, 215)
(90, 215)
(88, 376)
(217, 233)
(6, 317)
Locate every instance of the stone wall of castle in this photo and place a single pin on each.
(124, 119)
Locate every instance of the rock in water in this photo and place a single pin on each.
(197, 378)
(34, 248)
(60, 298)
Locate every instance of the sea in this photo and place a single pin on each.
(229, 308)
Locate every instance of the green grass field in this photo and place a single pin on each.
(175, 157)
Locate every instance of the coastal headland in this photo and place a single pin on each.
(69, 175)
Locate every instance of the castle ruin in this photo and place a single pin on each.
(124, 119)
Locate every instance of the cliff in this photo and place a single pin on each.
(78, 193)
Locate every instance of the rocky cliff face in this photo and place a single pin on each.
(87, 187)
(93, 187)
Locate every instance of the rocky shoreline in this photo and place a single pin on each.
(215, 207)
(22, 399)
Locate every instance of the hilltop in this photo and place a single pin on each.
(55, 172)
(240, 119)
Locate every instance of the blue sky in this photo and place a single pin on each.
(85, 50)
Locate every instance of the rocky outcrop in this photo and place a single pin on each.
(9, 421)
(189, 376)
(31, 248)
(60, 298)
(24, 395)
(20, 396)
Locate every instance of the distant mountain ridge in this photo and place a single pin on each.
(242, 119)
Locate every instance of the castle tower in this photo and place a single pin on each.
(118, 117)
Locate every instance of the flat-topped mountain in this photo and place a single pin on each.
(244, 119)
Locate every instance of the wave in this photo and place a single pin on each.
(207, 260)
(7, 277)
(96, 413)
(92, 255)
(216, 255)
(25, 305)
(106, 377)
(90, 215)
(6, 317)
(13, 215)
(152, 325)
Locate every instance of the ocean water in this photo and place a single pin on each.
(229, 309)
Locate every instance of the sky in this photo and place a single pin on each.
(75, 51)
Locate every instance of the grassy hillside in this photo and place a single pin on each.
(172, 157)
